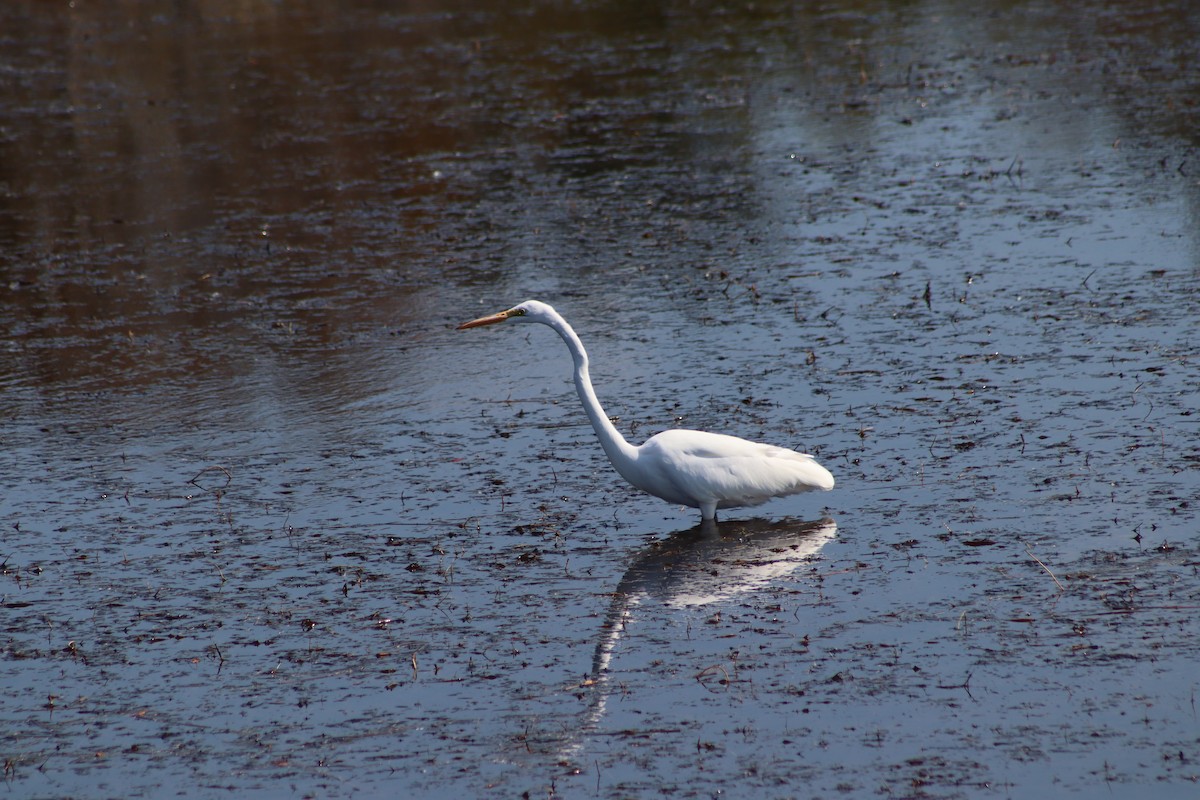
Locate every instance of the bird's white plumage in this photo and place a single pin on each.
(693, 468)
(700, 468)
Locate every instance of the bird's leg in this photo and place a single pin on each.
(708, 511)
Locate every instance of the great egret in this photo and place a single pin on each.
(692, 468)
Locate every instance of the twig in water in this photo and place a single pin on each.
(704, 673)
(1029, 552)
(214, 468)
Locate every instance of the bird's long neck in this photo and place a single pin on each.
(620, 452)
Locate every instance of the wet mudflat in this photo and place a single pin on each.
(271, 526)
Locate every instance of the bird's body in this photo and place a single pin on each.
(692, 468)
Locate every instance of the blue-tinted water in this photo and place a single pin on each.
(272, 526)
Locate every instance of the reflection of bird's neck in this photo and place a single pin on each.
(620, 452)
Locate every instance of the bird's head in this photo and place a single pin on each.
(529, 311)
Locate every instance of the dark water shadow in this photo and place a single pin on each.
(709, 564)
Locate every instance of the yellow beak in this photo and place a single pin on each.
(488, 320)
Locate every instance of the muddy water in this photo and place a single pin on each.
(271, 526)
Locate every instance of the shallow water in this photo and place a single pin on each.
(272, 526)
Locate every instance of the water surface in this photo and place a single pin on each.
(272, 526)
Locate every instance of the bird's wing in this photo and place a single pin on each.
(712, 467)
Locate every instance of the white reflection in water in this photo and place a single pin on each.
(707, 565)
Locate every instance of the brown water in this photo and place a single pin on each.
(271, 526)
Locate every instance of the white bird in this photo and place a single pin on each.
(692, 468)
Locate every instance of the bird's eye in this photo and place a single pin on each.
(518, 312)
